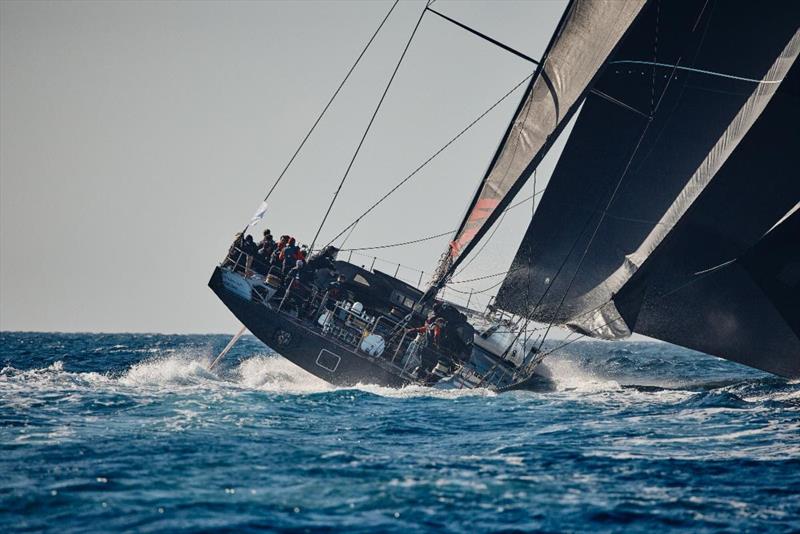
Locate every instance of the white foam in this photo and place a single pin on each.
(409, 392)
(273, 373)
(569, 376)
(180, 369)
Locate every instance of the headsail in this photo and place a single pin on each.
(680, 93)
(726, 280)
(587, 34)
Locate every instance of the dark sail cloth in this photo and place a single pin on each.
(645, 145)
(730, 285)
(693, 160)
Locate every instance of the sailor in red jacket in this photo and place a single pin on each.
(432, 329)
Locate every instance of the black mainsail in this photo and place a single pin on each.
(657, 151)
(588, 32)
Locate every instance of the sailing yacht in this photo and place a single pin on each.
(672, 212)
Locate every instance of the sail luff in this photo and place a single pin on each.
(509, 128)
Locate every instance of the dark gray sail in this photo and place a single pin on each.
(679, 94)
(743, 310)
(587, 34)
(726, 280)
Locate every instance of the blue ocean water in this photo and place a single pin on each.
(126, 432)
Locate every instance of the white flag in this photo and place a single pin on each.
(259, 214)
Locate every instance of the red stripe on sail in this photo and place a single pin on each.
(483, 208)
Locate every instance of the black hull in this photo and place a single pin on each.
(297, 342)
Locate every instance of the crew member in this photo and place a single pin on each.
(289, 255)
(266, 245)
(334, 292)
(275, 259)
(250, 248)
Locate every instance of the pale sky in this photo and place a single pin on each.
(137, 137)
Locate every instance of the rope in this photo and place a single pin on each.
(431, 237)
(483, 246)
(479, 292)
(347, 237)
(389, 262)
(428, 238)
(420, 240)
(479, 278)
(366, 131)
(653, 110)
(431, 158)
(325, 109)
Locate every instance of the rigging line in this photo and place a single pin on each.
(390, 262)
(696, 277)
(369, 125)
(485, 37)
(528, 278)
(685, 82)
(604, 213)
(580, 336)
(478, 278)
(397, 244)
(479, 292)
(655, 57)
(335, 94)
(431, 158)
(430, 237)
(529, 197)
(610, 201)
(347, 236)
(712, 269)
(621, 104)
(448, 264)
(698, 71)
(558, 271)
